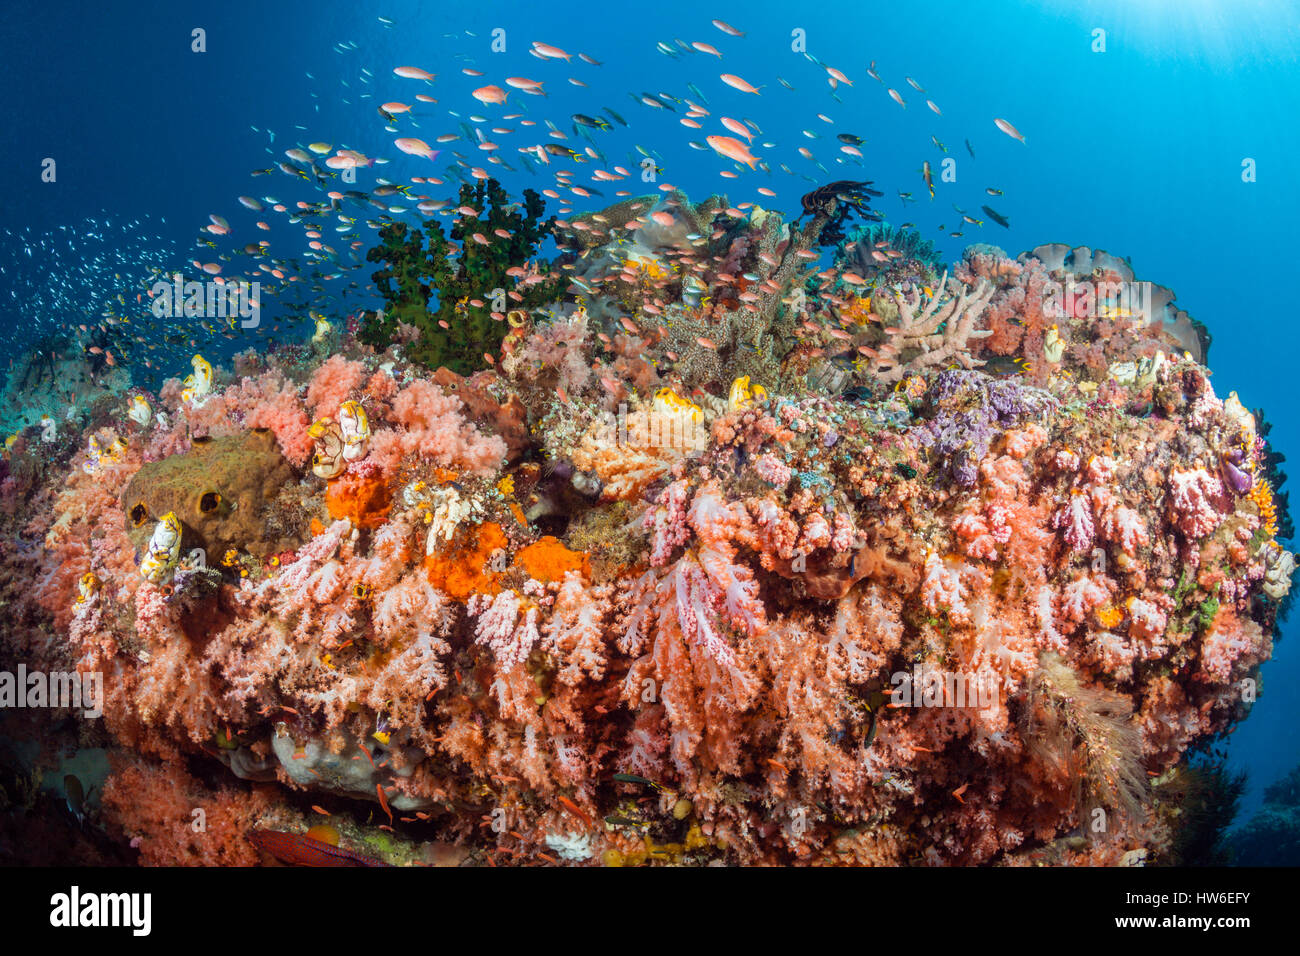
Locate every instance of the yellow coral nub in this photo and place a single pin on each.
(1109, 616)
(328, 460)
(668, 402)
(323, 327)
(87, 587)
(1053, 346)
(140, 411)
(199, 383)
(649, 266)
(1239, 415)
(858, 311)
(164, 550)
(354, 424)
(742, 395)
(912, 387)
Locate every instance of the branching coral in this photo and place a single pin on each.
(937, 336)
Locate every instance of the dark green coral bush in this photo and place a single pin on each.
(430, 284)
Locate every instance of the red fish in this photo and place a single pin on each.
(298, 849)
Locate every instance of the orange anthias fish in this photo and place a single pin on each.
(298, 849)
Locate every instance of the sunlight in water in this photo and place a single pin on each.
(1229, 34)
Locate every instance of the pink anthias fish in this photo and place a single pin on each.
(1009, 130)
(348, 159)
(736, 82)
(416, 147)
(551, 52)
(414, 73)
(525, 84)
(490, 94)
(732, 148)
(738, 128)
(727, 28)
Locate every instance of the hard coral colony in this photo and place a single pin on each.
(687, 573)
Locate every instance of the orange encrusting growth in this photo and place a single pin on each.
(458, 573)
(1109, 616)
(363, 499)
(1261, 493)
(325, 834)
(549, 560)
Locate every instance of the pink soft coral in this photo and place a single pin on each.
(282, 412)
(1081, 596)
(556, 345)
(175, 820)
(332, 384)
(1194, 501)
(433, 428)
(1232, 644)
(945, 587)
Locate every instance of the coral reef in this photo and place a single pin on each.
(61, 377)
(885, 255)
(723, 559)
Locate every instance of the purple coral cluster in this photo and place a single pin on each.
(970, 410)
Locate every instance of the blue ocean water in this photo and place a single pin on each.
(1137, 149)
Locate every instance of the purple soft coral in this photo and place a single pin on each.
(972, 409)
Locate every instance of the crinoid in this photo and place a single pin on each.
(834, 202)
